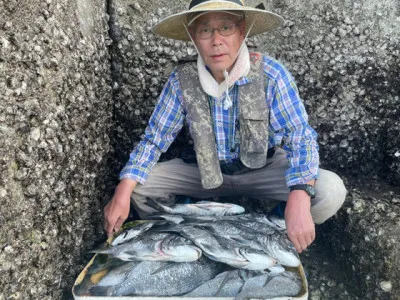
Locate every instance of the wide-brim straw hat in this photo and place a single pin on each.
(173, 27)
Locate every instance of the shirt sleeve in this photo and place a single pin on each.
(289, 117)
(164, 125)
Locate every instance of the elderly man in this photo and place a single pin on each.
(249, 127)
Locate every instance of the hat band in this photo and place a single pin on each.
(197, 2)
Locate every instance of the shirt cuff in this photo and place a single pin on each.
(138, 174)
(293, 178)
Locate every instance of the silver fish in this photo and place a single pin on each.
(227, 251)
(201, 208)
(174, 279)
(264, 223)
(156, 247)
(130, 234)
(276, 245)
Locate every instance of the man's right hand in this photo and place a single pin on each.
(117, 210)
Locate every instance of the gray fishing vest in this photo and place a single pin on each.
(253, 118)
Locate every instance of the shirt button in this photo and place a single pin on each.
(219, 124)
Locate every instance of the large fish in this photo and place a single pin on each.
(232, 229)
(272, 242)
(201, 208)
(258, 222)
(225, 250)
(157, 247)
(276, 245)
(161, 279)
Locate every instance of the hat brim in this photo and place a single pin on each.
(173, 27)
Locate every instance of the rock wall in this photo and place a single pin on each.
(55, 119)
(69, 118)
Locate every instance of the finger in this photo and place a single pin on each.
(118, 224)
(313, 235)
(303, 243)
(295, 243)
(109, 228)
(308, 239)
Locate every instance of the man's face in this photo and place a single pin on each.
(218, 51)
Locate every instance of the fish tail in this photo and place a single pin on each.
(222, 284)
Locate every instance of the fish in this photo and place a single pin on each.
(273, 242)
(267, 224)
(278, 246)
(225, 250)
(286, 284)
(130, 234)
(174, 280)
(155, 246)
(201, 208)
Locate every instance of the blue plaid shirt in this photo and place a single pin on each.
(288, 128)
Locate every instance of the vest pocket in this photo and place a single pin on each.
(254, 134)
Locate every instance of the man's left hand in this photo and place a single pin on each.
(299, 222)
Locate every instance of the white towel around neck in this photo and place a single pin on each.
(240, 69)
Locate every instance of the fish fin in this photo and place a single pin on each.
(205, 202)
(222, 284)
(169, 228)
(156, 216)
(100, 291)
(239, 240)
(175, 219)
(162, 268)
(131, 253)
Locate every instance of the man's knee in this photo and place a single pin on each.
(330, 195)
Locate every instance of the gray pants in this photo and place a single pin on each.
(175, 177)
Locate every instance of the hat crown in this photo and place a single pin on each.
(194, 3)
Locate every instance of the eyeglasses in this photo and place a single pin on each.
(206, 32)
